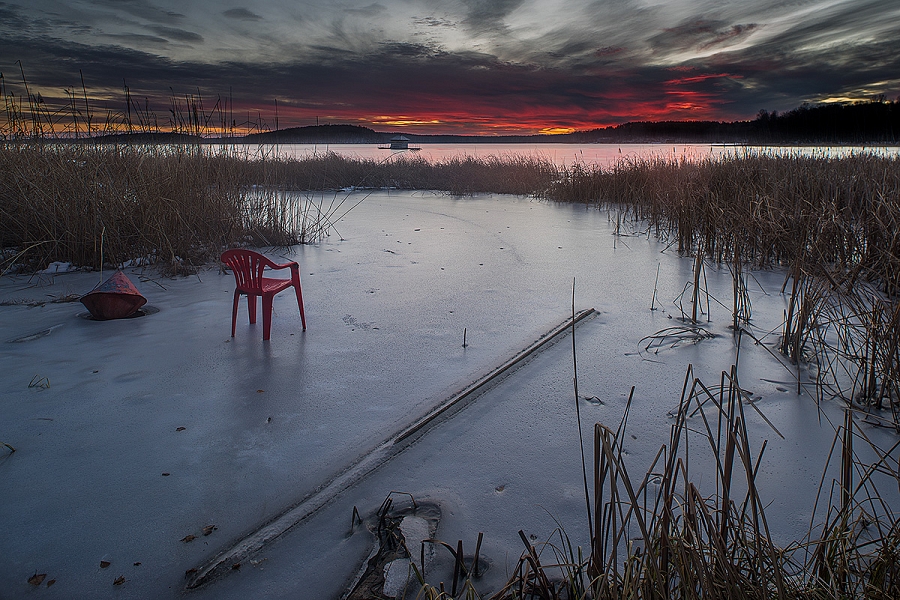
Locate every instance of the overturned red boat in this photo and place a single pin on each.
(115, 298)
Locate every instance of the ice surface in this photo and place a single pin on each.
(133, 435)
(397, 576)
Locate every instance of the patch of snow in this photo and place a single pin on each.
(59, 267)
(398, 575)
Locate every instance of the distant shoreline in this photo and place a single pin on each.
(875, 123)
(289, 137)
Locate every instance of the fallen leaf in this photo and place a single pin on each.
(137, 564)
(189, 538)
(119, 580)
(51, 582)
(236, 566)
(165, 474)
(209, 529)
(37, 579)
(180, 428)
(260, 391)
(104, 564)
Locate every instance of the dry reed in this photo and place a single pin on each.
(180, 205)
(658, 535)
(831, 222)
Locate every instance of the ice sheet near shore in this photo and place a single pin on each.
(132, 435)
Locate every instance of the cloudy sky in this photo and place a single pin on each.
(457, 66)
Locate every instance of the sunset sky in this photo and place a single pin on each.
(457, 66)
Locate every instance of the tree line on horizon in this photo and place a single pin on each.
(876, 121)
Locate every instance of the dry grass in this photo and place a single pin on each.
(89, 205)
(823, 212)
(658, 535)
(834, 223)
(179, 206)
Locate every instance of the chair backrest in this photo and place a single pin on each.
(247, 267)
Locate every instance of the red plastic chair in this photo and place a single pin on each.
(248, 267)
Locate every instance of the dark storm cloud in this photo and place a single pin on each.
(15, 19)
(141, 9)
(778, 80)
(368, 11)
(486, 15)
(104, 67)
(242, 14)
(700, 34)
(608, 51)
(594, 63)
(11, 16)
(433, 22)
(803, 63)
(574, 47)
(132, 37)
(448, 82)
(687, 35)
(730, 35)
(407, 50)
(172, 33)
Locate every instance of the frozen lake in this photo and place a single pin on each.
(149, 430)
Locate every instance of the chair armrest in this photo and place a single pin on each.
(273, 265)
(292, 265)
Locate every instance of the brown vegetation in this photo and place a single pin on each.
(834, 223)
(658, 535)
(181, 205)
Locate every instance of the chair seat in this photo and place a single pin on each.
(270, 285)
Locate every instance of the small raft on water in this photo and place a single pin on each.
(115, 298)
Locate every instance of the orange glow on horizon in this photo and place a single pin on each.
(403, 121)
(557, 130)
(475, 116)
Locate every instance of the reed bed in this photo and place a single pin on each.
(833, 223)
(178, 206)
(91, 205)
(822, 212)
(659, 535)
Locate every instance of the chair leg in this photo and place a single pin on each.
(251, 307)
(300, 304)
(237, 296)
(267, 316)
